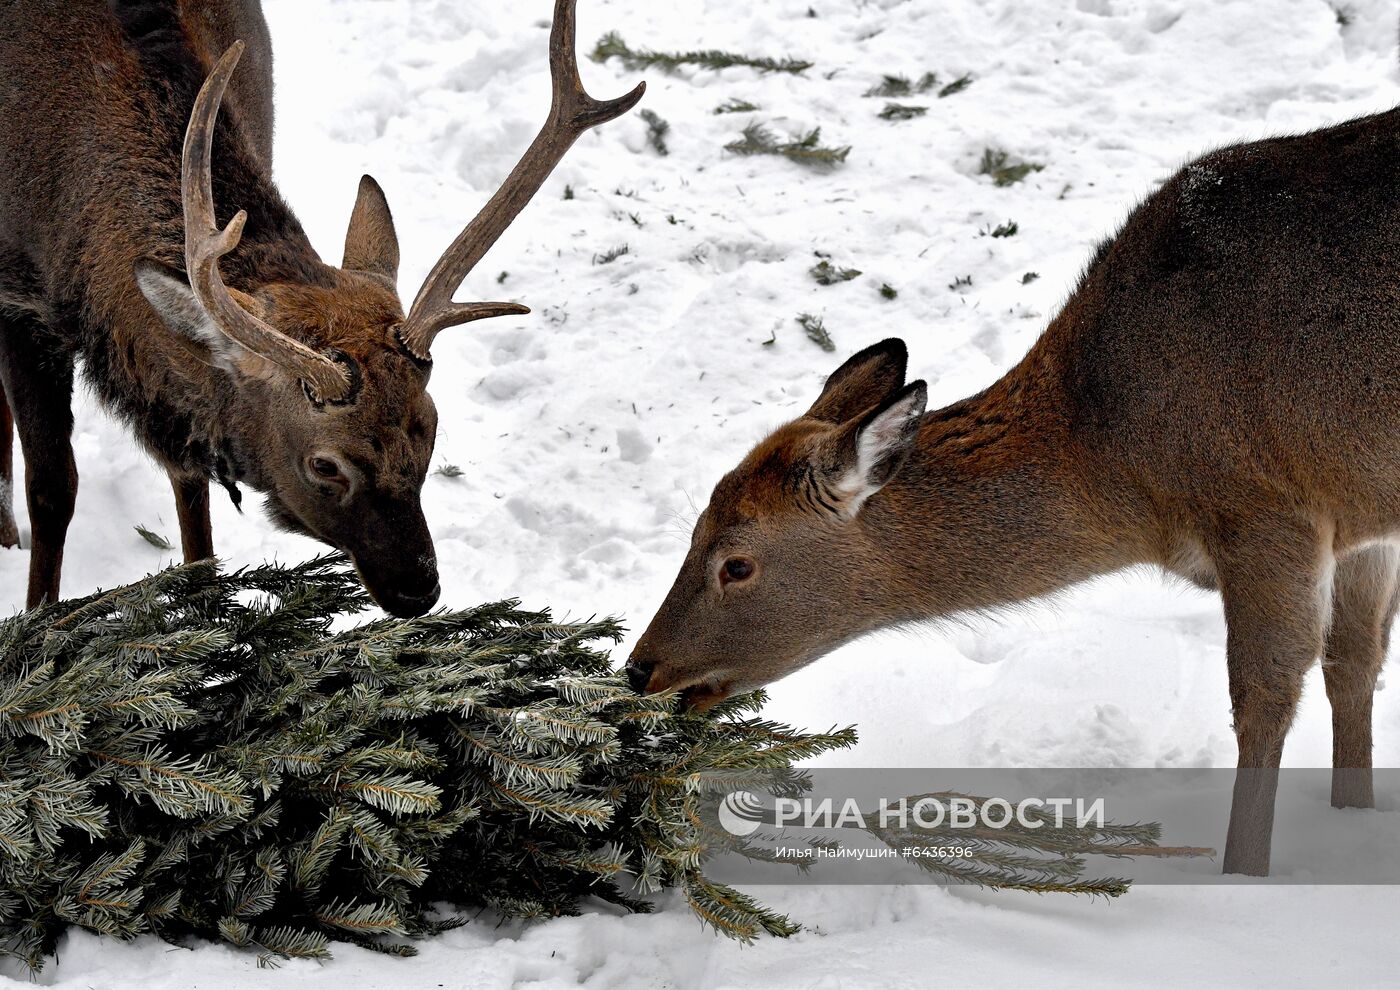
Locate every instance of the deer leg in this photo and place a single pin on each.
(1274, 584)
(9, 528)
(39, 384)
(192, 507)
(1364, 600)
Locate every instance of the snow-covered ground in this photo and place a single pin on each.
(591, 431)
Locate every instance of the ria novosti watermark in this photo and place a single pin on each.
(1143, 826)
(743, 812)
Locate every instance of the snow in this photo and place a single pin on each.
(591, 431)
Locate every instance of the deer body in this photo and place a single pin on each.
(201, 312)
(92, 174)
(1220, 397)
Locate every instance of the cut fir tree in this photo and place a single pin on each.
(202, 754)
(206, 754)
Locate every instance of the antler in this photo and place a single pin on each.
(572, 111)
(205, 244)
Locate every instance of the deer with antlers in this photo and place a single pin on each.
(202, 313)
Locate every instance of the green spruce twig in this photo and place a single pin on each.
(611, 254)
(657, 130)
(611, 45)
(1044, 857)
(735, 105)
(997, 163)
(816, 331)
(896, 85)
(901, 111)
(154, 538)
(825, 273)
(956, 86)
(805, 150)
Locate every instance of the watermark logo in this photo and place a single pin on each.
(741, 813)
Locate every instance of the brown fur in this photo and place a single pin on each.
(90, 135)
(1220, 397)
(303, 381)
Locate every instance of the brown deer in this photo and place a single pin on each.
(233, 351)
(1220, 397)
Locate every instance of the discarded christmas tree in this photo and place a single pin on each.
(204, 754)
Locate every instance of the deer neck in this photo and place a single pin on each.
(996, 505)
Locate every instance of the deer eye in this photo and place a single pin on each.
(736, 569)
(326, 469)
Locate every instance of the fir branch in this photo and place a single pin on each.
(825, 273)
(153, 538)
(612, 254)
(897, 85)
(816, 331)
(901, 111)
(956, 86)
(611, 45)
(805, 150)
(997, 163)
(736, 105)
(657, 129)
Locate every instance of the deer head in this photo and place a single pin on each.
(324, 385)
(782, 567)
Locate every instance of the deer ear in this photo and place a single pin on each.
(371, 245)
(866, 379)
(175, 303)
(870, 451)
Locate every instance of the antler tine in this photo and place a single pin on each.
(572, 111)
(205, 244)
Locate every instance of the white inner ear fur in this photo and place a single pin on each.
(177, 306)
(882, 439)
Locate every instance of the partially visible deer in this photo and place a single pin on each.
(234, 352)
(1219, 397)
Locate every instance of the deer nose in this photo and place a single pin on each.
(639, 674)
(407, 606)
